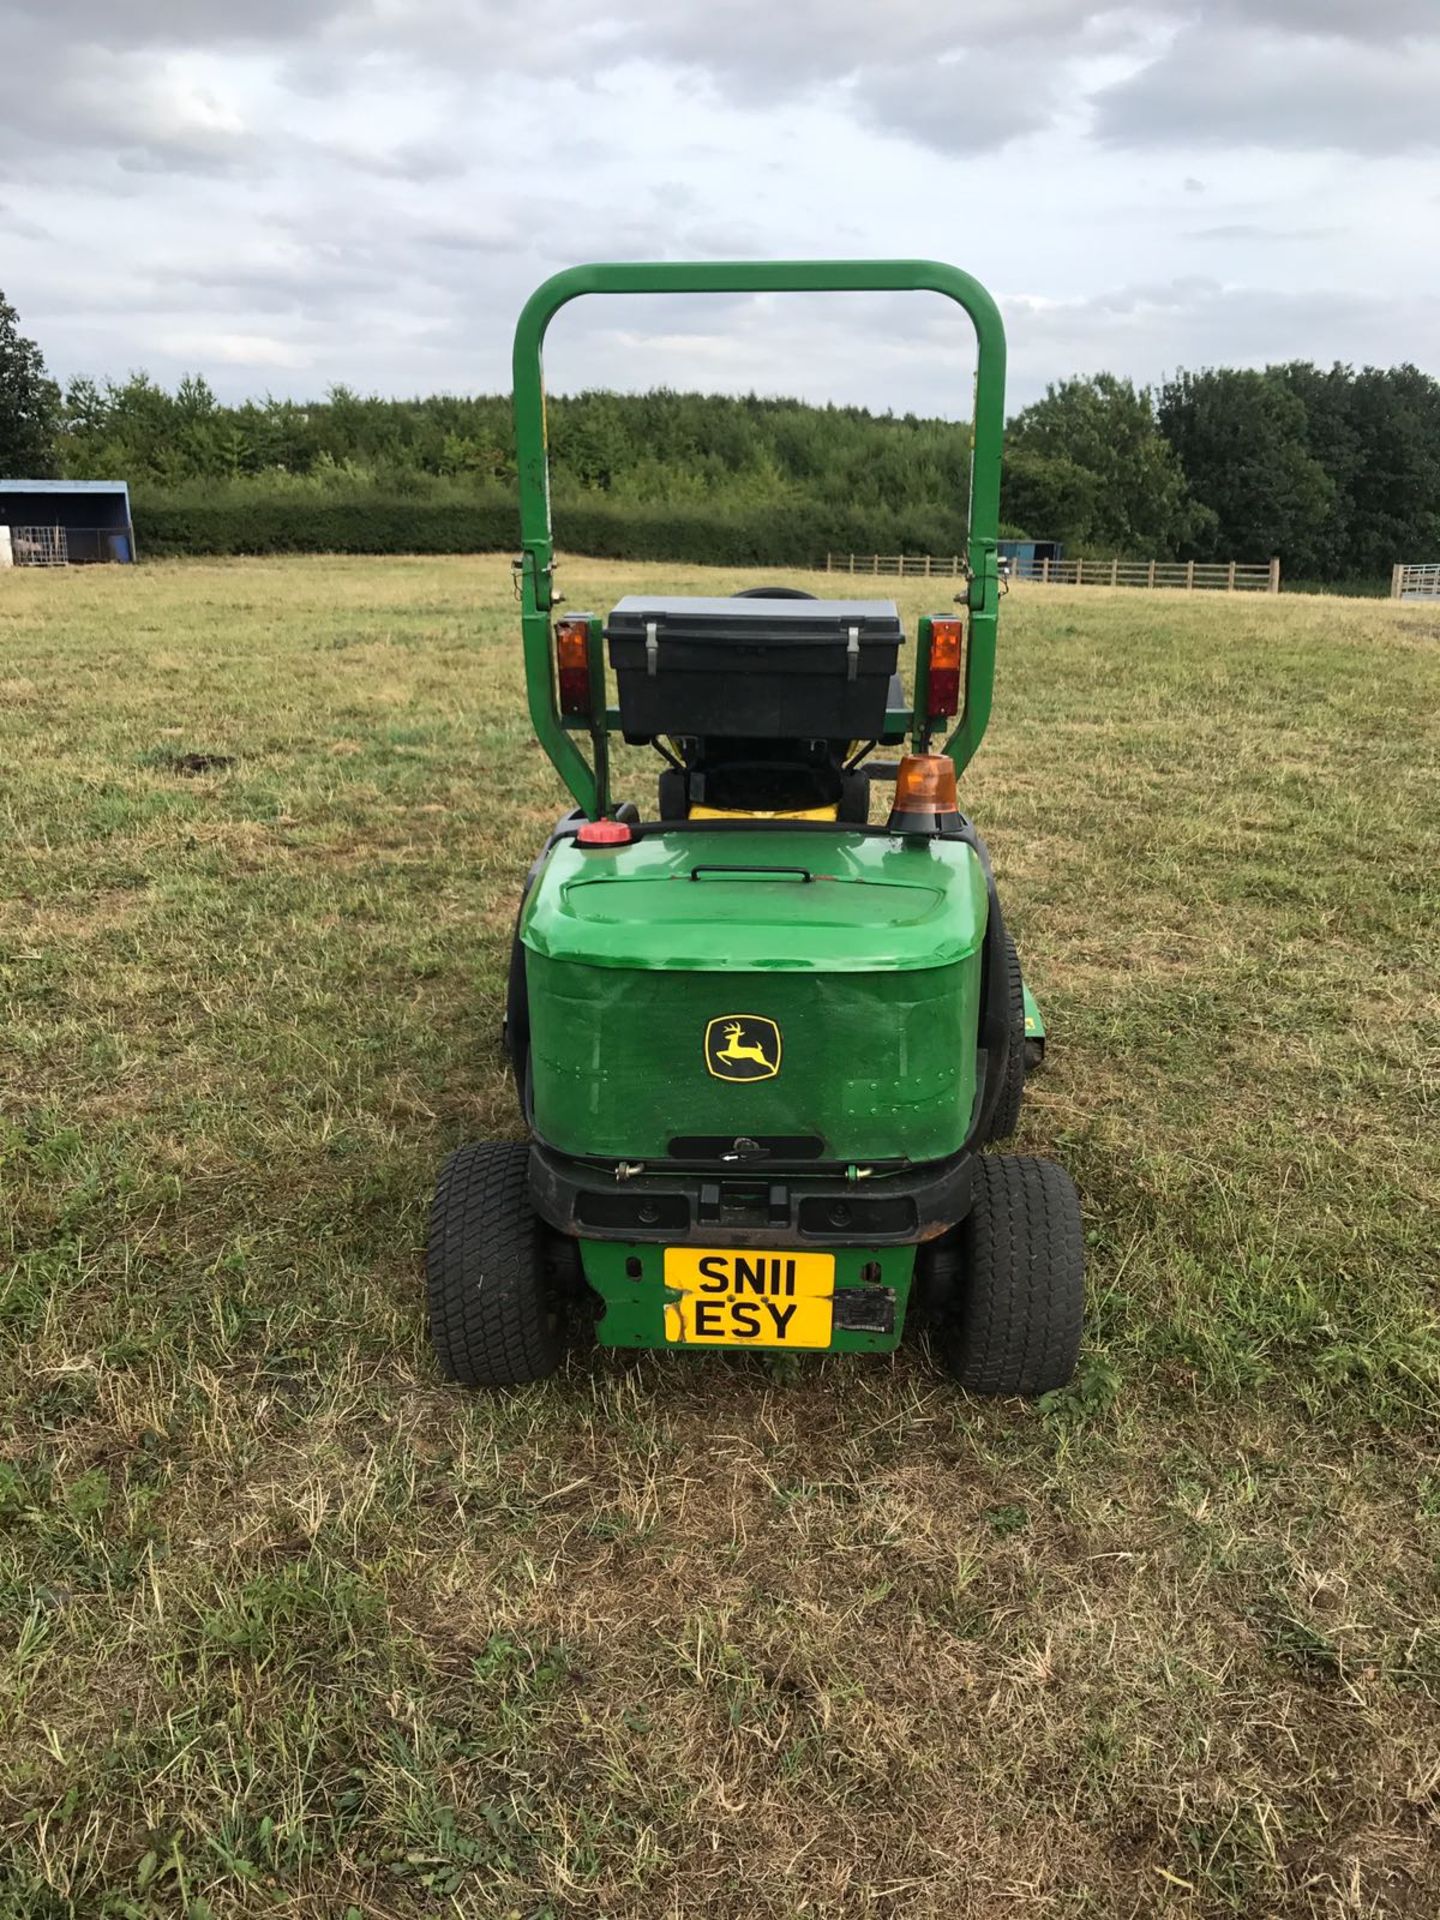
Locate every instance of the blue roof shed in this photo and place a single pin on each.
(1025, 556)
(94, 516)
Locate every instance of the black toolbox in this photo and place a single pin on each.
(752, 668)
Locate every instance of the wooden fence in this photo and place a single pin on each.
(903, 566)
(1416, 583)
(1224, 576)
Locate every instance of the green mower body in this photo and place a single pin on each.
(761, 1039)
(851, 967)
(861, 954)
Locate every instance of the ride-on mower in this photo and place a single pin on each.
(761, 1044)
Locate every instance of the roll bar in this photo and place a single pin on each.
(588, 782)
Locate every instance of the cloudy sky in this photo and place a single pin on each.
(287, 193)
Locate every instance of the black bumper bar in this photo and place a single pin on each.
(678, 1207)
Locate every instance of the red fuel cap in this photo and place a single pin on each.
(604, 833)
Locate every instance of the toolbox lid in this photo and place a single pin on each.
(753, 620)
(762, 902)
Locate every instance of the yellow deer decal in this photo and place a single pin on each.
(735, 1049)
(742, 1046)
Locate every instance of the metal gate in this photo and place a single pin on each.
(40, 546)
(1416, 583)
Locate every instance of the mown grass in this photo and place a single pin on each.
(288, 1627)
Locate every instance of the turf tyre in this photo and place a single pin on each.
(1006, 1117)
(674, 794)
(854, 807)
(515, 1029)
(1013, 1326)
(493, 1320)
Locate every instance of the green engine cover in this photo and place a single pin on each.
(823, 986)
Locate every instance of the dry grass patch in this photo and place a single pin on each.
(287, 1628)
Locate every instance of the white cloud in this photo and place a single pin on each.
(1257, 87)
(257, 350)
(366, 189)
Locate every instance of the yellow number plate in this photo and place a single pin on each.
(760, 1299)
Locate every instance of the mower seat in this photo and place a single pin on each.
(721, 794)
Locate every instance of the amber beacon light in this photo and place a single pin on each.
(925, 799)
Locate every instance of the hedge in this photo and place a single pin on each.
(316, 523)
(257, 523)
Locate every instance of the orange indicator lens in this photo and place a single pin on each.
(572, 665)
(943, 687)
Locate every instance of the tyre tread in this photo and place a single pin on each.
(491, 1320)
(1012, 1092)
(1017, 1323)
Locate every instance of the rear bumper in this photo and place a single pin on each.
(675, 1207)
(866, 1311)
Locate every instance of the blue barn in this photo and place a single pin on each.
(52, 522)
(1025, 556)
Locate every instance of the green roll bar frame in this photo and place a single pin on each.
(588, 781)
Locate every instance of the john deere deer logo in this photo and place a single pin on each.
(742, 1046)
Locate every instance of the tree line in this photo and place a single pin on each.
(1335, 470)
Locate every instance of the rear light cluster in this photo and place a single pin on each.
(572, 665)
(943, 684)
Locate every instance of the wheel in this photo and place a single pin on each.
(515, 1032)
(854, 809)
(1013, 1325)
(674, 794)
(494, 1319)
(772, 593)
(1006, 1117)
(515, 1028)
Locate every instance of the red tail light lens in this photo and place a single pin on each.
(572, 665)
(942, 695)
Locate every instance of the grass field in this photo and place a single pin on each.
(287, 1627)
